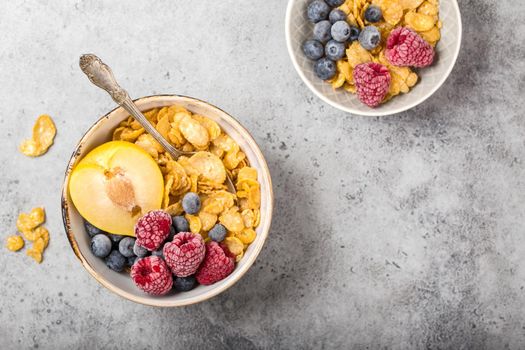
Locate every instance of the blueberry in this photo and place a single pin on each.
(101, 245)
(369, 37)
(115, 238)
(335, 50)
(139, 251)
(131, 260)
(217, 233)
(336, 15)
(171, 234)
(158, 253)
(335, 3)
(322, 31)
(116, 261)
(313, 49)
(184, 284)
(91, 230)
(354, 33)
(341, 31)
(180, 224)
(373, 14)
(325, 68)
(125, 246)
(191, 203)
(317, 11)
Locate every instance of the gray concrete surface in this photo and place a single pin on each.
(403, 232)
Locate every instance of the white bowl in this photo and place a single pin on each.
(298, 29)
(121, 283)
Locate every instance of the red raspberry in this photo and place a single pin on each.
(185, 253)
(405, 47)
(152, 275)
(372, 81)
(217, 265)
(152, 229)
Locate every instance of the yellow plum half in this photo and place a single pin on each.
(114, 185)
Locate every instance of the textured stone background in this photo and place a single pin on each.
(397, 232)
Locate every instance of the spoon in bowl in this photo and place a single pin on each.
(101, 75)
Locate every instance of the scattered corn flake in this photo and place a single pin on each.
(44, 132)
(27, 222)
(14, 243)
(35, 254)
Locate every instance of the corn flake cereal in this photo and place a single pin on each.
(27, 222)
(14, 243)
(234, 245)
(44, 132)
(204, 172)
(419, 15)
(30, 225)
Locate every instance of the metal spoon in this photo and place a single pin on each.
(101, 75)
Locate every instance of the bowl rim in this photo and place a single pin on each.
(372, 112)
(149, 301)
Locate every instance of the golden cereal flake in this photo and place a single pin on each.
(234, 245)
(246, 236)
(218, 155)
(209, 166)
(35, 254)
(27, 222)
(44, 132)
(14, 243)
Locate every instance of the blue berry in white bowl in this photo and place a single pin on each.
(373, 14)
(336, 15)
(217, 233)
(180, 223)
(354, 34)
(317, 11)
(116, 261)
(115, 238)
(131, 260)
(322, 31)
(139, 251)
(125, 246)
(92, 230)
(100, 245)
(369, 37)
(335, 3)
(341, 31)
(335, 50)
(191, 203)
(184, 284)
(325, 68)
(313, 49)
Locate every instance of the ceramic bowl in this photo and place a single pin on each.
(298, 29)
(121, 283)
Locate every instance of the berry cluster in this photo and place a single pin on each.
(332, 34)
(165, 255)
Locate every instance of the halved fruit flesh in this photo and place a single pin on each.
(114, 185)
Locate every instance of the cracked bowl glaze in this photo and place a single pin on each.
(298, 29)
(121, 283)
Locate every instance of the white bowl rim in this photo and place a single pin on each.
(372, 112)
(148, 300)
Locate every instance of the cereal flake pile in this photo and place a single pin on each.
(201, 173)
(30, 225)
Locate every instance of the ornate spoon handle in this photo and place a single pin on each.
(101, 75)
